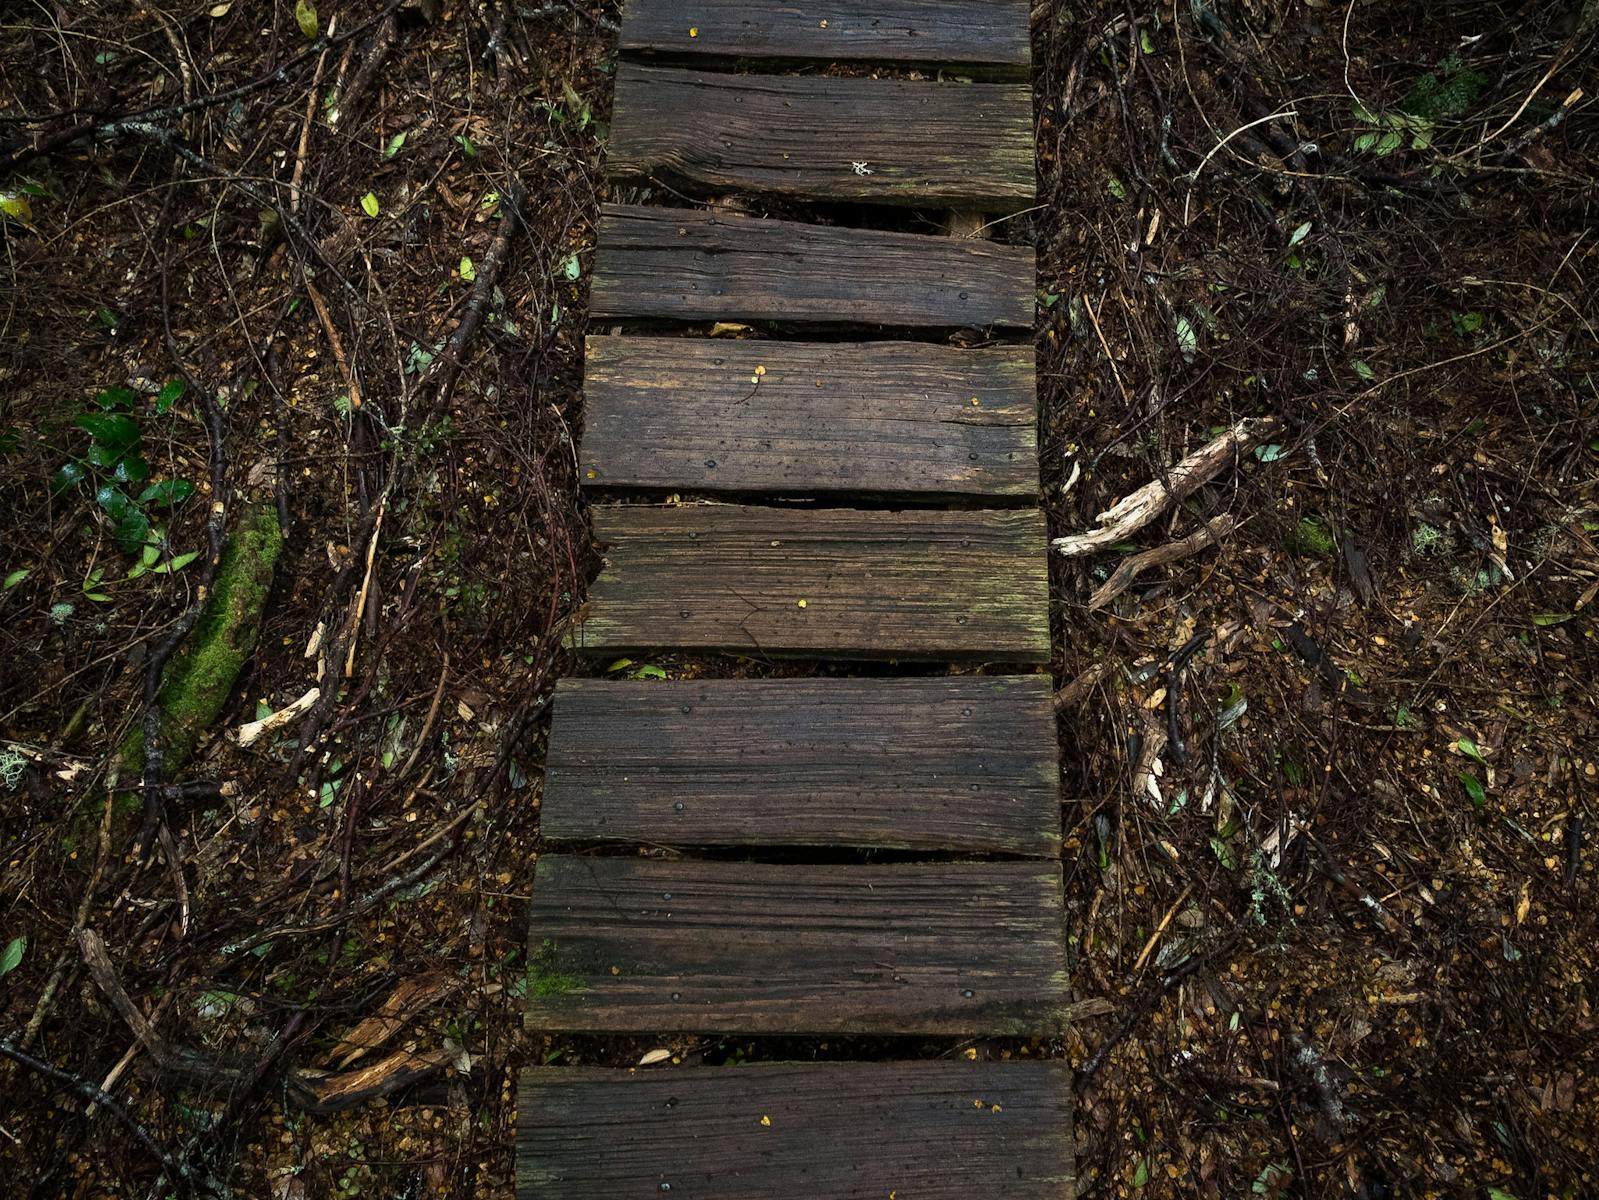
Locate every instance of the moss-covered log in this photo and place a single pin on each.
(202, 673)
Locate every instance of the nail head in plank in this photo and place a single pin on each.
(839, 583)
(814, 137)
(810, 418)
(811, 1131)
(692, 265)
(634, 946)
(960, 763)
(994, 33)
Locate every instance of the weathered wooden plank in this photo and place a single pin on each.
(691, 265)
(623, 945)
(839, 583)
(831, 1131)
(991, 33)
(880, 418)
(882, 141)
(962, 763)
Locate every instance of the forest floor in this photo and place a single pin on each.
(317, 283)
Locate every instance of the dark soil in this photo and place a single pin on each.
(1327, 872)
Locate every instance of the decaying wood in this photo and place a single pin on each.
(873, 140)
(1075, 692)
(766, 417)
(1138, 509)
(836, 583)
(991, 34)
(321, 1093)
(252, 732)
(959, 763)
(691, 265)
(817, 1131)
(403, 1003)
(631, 945)
(1122, 578)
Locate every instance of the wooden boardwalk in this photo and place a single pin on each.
(867, 854)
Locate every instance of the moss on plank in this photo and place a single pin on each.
(201, 675)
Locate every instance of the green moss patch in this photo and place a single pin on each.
(201, 674)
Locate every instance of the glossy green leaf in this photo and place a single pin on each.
(369, 204)
(1474, 788)
(11, 956)
(169, 395)
(67, 476)
(116, 397)
(168, 491)
(110, 429)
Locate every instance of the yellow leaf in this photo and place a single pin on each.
(767, 1121)
(16, 206)
(305, 16)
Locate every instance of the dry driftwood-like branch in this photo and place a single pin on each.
(1122, 578)
(1137, 509)
(254, 731)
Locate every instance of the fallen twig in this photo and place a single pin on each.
(1122, 578)
(1134, 511)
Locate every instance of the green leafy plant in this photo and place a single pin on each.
(1436, 98)
(114, 467)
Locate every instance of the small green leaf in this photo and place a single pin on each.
(110, 429)
(571, 267)
(116, 397)
(177, 564)
(15, 578)
(1474, 788)
(1187, 337)
(467, 148)
(305, 17)
(1365, 141)
(1469, 748)
(649, 671)
(1145, 42)
(395, 144)
(1141, 1173)
(1270, 452)
(1116, 188)
(1298, 235)
(619, 664)
(67, 476)
(131, 469)
(132, 528)
(1390, 142)
(1224, 853)
(369, 204)
(169, 395)
(1551, 618)
(11, 956)
(1361, 368)
(168, 492)
(468, 271)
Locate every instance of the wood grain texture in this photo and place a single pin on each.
(622, 945)
(878, 418)
(963, 763)
(814, 137)
(685, 264)
(826, 583)
(835, 1131)
(977, 32)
